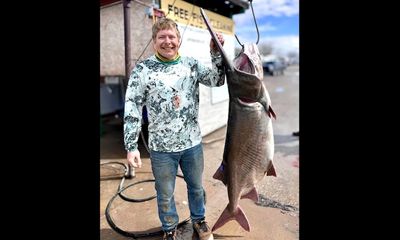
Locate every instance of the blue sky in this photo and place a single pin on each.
(278, 24)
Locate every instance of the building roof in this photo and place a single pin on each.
(226, 8)
(106, 2)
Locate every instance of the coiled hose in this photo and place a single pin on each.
(120, 191)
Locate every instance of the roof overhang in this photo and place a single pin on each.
(241, 3)
(106, 2)
(226, 8)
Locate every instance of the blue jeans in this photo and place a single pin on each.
(165, 167)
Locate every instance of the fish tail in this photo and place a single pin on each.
(237, 215)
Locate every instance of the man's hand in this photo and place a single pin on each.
(213, 46)
(134, 159)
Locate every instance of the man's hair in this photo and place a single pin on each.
(165, 23)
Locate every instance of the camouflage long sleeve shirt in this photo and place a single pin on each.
(170, 92)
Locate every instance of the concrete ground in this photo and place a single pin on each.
(274, 217)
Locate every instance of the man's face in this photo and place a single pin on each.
(167, 43)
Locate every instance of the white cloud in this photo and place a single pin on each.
(281, 45)
(276, 8)
(252, 29)
(265, 8)
(245, 28)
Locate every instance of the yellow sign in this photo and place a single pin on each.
(186, 13)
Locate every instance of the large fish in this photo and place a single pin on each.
(249, 144)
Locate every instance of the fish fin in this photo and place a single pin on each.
(253, 195)
(226, 216)
(228, 63)
(220, 174)
(271, 113)
(271, 170)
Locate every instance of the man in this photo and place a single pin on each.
(168, 84)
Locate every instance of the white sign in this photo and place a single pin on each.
(196, 43)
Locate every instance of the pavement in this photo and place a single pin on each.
(274, 217)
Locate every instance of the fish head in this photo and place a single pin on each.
(249, 61)
(245, 82)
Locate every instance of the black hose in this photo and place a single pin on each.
(134, 235)
(126, 171)
(144, 141)
(126, 175)
(120, 190)
(119, 163)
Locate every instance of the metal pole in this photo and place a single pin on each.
(127, 39)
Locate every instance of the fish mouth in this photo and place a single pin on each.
(243, 64)
(249, 62)
(246, 101)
